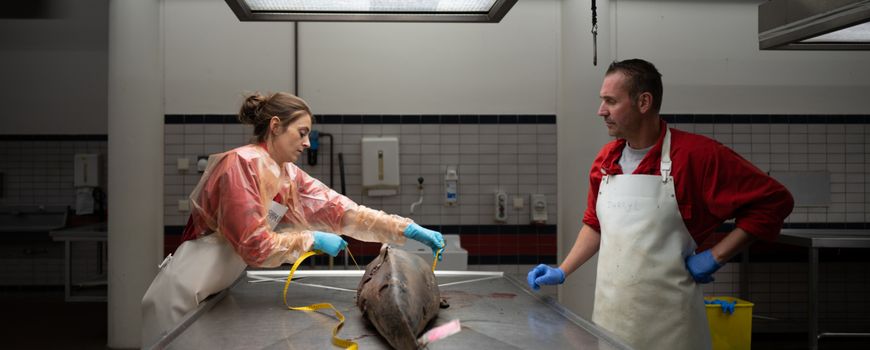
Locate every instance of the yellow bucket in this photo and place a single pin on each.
(730, 331)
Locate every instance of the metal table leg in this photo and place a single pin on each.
(67, 270)
(744, 275)
(813, 307)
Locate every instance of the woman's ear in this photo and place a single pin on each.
(275, 125)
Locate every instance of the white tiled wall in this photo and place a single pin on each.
(519, 159)
(41, 172)
(841, 149)
(779, 290)
(37, 173)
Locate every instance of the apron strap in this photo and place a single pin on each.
(666, 156)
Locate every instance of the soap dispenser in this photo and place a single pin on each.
(450, 186)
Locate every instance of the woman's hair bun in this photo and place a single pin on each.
(250, 110)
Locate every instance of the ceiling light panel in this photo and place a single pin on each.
(372, 10)
(814, 25)
(480, 6)
(856, 34)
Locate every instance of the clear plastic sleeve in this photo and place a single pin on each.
(236, 193)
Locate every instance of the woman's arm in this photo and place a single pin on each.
(329, 210)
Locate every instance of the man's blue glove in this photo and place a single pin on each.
(328, 243)
(545, 275)
(433, 239)
(702, 266)
(727, 306)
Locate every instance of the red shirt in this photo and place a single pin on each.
(712, 184)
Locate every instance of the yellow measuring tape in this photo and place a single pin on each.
(344, 343)
(435, 261)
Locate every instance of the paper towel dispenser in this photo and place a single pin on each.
(380, 166)
(86, 170)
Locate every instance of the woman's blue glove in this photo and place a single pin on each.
(328, 243)
(433, 239)
(702, 266)
(545, 275)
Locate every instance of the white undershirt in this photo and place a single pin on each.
(631, 158)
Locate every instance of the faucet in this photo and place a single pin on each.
(420, 188)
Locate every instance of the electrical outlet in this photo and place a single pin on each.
(518, 202)
(183, 164)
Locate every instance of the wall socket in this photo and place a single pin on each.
(519, 203)
(183, 164)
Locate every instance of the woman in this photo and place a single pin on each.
(254, 207)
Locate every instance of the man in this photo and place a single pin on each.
(654, 194)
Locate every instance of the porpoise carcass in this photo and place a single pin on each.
(399, 296)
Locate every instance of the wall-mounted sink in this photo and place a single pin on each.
(32, 219)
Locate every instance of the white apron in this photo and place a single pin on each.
(199, 268)
(644, 294)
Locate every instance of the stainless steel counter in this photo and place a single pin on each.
(92, 232)
(815, 239)
(826, 238)
(495, 312)
(31, 219)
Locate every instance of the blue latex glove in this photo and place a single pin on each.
(545, 275)
(433, 239)
(328, 243)
(702, 266)
(727, 307)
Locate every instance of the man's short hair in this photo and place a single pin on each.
(642, 77)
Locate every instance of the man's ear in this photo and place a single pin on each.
(644, 102)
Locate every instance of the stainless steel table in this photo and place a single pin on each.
(815, 239)
(494, 310)
(87, 233)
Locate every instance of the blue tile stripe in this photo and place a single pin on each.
(532, 119)
(766, 119)
(89, 137)
(200, 119)
(380, 119)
